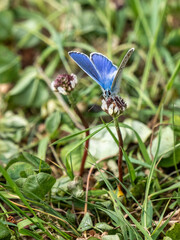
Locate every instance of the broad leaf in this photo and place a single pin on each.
(9, 65)
(4, 232)
(86, 223)
(174, 232)
(38, 185)
(52, 122)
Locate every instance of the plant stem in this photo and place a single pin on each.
(120, 152)
(84, 122)
(86, 125)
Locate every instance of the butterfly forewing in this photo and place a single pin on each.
(115, 88)
(84, 62)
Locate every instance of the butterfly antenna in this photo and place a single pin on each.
(93, 105)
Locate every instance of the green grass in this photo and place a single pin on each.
(42, 138)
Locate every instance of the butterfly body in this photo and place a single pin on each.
(102, 70)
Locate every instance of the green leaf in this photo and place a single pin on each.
(173, 38)
(42, 148)
(143, 131)
(51, 67)
(26, 96)
(131, 170)
(26, 232)
(11, 120)
(172, 187)
(69, 168)
(76, 156)
(12, 128)
(26, 222)
(9, 65)
(166, 143)
(8, 149)
(174, 232)
(103, 226)
(169, 161)
(37, 162)
(23, 33)
(75, 187)
(103, 140)
(29, 74)
(140, 142)
(18, 192)
(97, 193)
(149, 214)
(173, 76)
(17, 168)
(38, 185)
(68, 138)
(6, 23)
(41, 96)
(24, 163)
(138, 188)
(30, 90)
(71, 216)
(86, 223)
(4, 232)
(52, 122)
(61, 186)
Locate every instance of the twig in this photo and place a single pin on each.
(86, 126)
(120, 153)
(85, 123)
(59, 161)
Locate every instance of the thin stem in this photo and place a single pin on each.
(120, 152)
(70, 113)
(59, 161)
(86, 125)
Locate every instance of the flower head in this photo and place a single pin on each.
(113, 105)
(64, 83)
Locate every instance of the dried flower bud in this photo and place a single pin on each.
(113, 105)
(64, 83)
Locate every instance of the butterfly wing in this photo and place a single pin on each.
(105, 68)
(84, 62)
(117, 80)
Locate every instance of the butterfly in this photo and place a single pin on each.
(102, 70)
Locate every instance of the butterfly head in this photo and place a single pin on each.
(107, 94)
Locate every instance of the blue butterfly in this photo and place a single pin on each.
(102, 70)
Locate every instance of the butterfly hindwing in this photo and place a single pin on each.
(84, 62)
(115, 88)
(105, 68)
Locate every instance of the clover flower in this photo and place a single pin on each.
(64, 83)
(113, 105)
